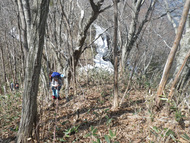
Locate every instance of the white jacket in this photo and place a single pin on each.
(57, 82)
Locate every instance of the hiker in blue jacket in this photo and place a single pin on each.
(56, 83)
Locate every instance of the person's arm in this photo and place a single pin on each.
(53, 83)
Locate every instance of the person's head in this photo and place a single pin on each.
(56, 78)
(16, 85)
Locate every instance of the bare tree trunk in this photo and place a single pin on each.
(23, 51)
(76, 52)
(135, 28)
(183, 83)
(170, 17)
(188, 23)
(172, 53)
(115, 101)
(12, 76)
(15, 64)
(3, 67)
(34, 19)
(67, 81)
(177, 76)
(10, 62)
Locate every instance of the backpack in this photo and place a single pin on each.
(55, 75)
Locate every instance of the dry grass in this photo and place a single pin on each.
(88, 117)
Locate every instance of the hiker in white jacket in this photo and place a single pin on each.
(56, 84)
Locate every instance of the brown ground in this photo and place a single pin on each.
(90, 117)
